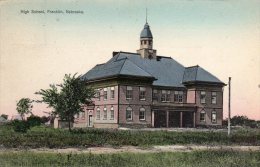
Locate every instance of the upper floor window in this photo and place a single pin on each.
(202, 97)
(142, 114)
(165, 97)
(214, 97)
(105, 113)
(98, 113)
(112, 113)
(129, 92)
(145, 42)
(112, 92)
(202, 116)
(129, 113)
(97, 96)
(142, 93)
(214, 116)
(105, 93)
(178, 96)
(155, 94)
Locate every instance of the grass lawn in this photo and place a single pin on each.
(38, 137)
(178, 159)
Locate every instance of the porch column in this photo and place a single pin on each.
(152, 118)
(167, 118)
(180, 119)
(194, 119)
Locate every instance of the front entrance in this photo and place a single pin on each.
(187, 120)
(174, 119)
(90, 121)
(159, 119)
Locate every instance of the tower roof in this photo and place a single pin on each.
(146, 32)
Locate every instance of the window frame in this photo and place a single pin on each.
(129, 93)
(98, 114)
(203, 97)
(142, 110)
(214, 113)
(105, 113)
(203, 112)
(105, 94)
(155, 95)
(112, 93)
(142, 93)
(214, 97)
(163, 96)
(112, 109)
(129, 109)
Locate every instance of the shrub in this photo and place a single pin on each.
(20, 126)
(34, 121)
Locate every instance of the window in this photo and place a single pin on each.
(214, 117)
(163, 96)
(155, 94)
(112, 92)
(202, 116)
(202, 97)
(98, 94)
(178, 96)
(129, 113)
(129, 92)
(142, 114)
(168, 95)
(142, 93)
(112, 113)
(214, 97)
(83, 115)
(145, 42)
(98, 113)
(105, 93)
(105, 113)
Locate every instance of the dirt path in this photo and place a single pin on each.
(154, 149)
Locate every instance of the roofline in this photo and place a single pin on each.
(118, 76)
(117, 52)
(196, 82)
(193, 66)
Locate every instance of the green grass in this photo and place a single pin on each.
(178, 159)
(60, 138)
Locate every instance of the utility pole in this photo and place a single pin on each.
(229, 98)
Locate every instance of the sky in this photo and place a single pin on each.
(222, 36)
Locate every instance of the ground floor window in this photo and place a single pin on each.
(105, 113)
(98, 113)
(214, 117)
(129, 113)
(142, 114)
(112, 113)
(202, 116)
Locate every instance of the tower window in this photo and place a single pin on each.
(145, 42)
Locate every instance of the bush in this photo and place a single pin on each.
(34, 121)
(20, 126)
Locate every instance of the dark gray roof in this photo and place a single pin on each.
(165, 70)
(146, 32)
(198, 74)
(116, 67)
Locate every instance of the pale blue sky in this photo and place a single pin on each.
(222, 36)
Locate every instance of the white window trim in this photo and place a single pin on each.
(144, 114)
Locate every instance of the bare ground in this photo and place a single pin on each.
(132, 149)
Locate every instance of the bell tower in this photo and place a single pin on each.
(146, 43)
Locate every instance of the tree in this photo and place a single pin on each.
(67, 99)
(24, 106)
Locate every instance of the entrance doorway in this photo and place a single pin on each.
(90, 121)
(187, 119)
(159, 119)
(174, 119)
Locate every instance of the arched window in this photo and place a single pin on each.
(214, 116)
(129, 113)
(98, 113)
(142, 114)
(202, 116)
(105, 113)
(112, 113)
